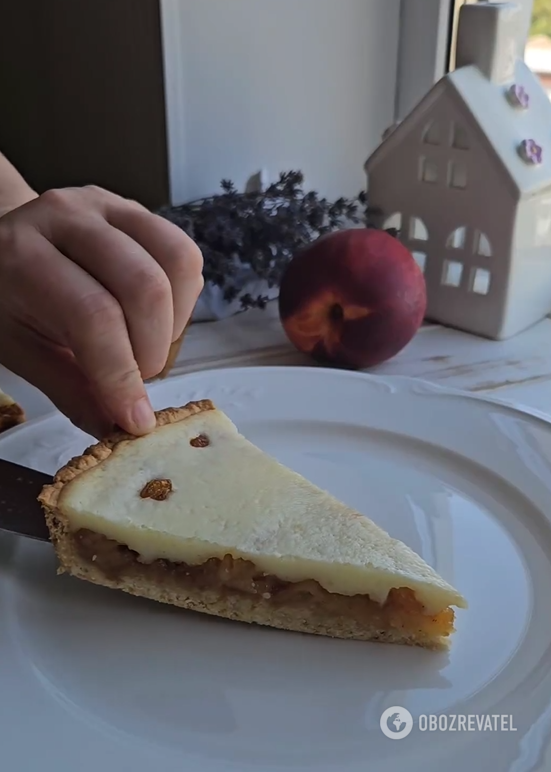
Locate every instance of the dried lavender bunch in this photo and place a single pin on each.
(262, 230)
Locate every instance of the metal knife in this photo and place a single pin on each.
(20, 512)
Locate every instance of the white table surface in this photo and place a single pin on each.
(517, 370)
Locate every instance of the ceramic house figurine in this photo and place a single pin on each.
(466, 179)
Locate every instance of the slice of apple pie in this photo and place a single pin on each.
(197, 516)
(11, 414)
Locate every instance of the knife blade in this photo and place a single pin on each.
(20, 512)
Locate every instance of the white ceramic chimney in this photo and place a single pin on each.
(487, 36)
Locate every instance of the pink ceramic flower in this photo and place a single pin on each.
(531, 151)
(518, 96)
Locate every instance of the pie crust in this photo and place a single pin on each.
(173, 353)
(11, 414)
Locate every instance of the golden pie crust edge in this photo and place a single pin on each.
(95, 454)
(11, 414)
(58, 523)
(300, 617)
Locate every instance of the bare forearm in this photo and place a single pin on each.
(14, 191)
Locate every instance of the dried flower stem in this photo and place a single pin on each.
(262, 231)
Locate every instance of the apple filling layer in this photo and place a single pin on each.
(402, 611)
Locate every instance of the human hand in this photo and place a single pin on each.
(93, 290)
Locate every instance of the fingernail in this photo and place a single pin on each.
(143, 416)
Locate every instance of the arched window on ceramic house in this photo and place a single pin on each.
(418, 233)
(482, 245)
(457, 238)
(394, 222)
(431, 134)
(460, 137)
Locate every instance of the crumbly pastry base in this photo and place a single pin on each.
(11, 414)
(173, 353)
(300, 615)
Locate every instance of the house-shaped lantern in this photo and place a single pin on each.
(466, 180)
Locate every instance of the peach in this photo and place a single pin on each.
(353, 298)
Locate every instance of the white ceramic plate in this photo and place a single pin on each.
(91, 679)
